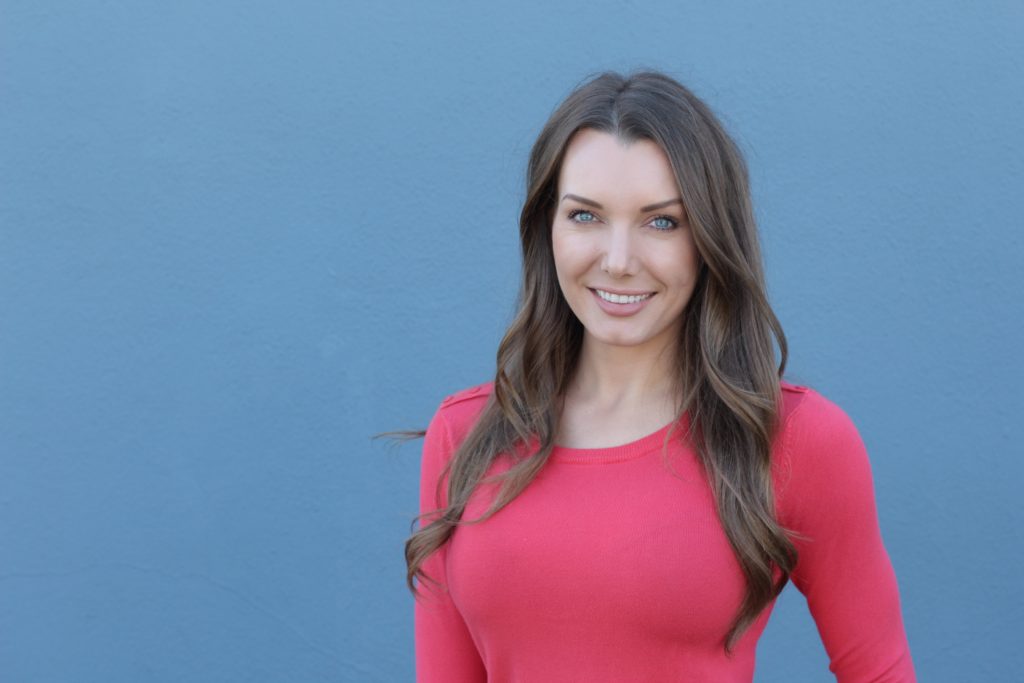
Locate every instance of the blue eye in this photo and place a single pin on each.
(668, 223)
(660, 223)
(573, 215)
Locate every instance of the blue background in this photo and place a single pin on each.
(237, 239)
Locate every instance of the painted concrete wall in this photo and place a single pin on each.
(237, 239)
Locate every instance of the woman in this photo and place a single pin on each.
(626, 499)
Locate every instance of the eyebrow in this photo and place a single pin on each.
(643, 209)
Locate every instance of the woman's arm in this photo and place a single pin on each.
(445, 651)
(843, 569)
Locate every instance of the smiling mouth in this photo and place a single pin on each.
(622, 298)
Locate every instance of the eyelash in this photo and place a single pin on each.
(675, 223)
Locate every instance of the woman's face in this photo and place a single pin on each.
(625, 257)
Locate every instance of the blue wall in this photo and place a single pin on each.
(236, 239)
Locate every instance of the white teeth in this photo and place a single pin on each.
(621, 299)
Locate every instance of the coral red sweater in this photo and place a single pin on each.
(610, 566)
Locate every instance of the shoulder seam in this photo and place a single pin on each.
(795, 388)
(789, 425)
(479, 391)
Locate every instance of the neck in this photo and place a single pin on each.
(625, 378)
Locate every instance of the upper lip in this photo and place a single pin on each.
(624, 292)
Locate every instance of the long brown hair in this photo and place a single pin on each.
(726, 363)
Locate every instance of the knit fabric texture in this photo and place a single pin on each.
(612, 565)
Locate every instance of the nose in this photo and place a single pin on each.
(619, 258)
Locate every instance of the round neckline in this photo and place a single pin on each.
(626, 451)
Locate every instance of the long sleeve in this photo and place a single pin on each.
(445, 651)
(843, 568)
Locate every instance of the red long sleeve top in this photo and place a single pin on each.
(612, 564)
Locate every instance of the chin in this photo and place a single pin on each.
(619, 339)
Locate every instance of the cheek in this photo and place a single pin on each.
(560, 255)
(567, 254)
(557, 249)
(679, 266)
(689, 261)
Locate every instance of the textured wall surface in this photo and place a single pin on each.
(237, 239)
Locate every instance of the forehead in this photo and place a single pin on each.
(599, 163)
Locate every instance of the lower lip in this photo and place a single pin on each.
(621, 309)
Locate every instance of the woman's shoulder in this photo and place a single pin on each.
(452, 421)
(466, 401)
(460, 410)
(475, 393)
(819, 449)
(804, 408)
